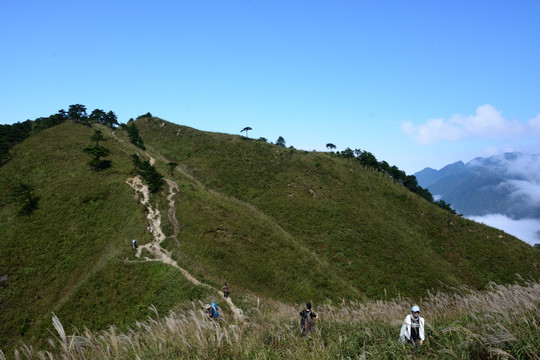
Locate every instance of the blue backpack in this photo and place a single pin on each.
(216, 312)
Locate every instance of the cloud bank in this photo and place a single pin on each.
(521, 174)
(527, 230)
(487, 122)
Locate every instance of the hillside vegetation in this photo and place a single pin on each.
(279, 224)
(378, 236)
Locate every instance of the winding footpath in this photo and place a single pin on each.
(154, 247)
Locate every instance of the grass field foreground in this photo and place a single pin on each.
(500, 323)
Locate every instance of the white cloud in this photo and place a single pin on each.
(432, 131)
(527, 230)
(517, 166)
(526, 167)
(490, 150)
(525, 192)
(534, 125)
(487, 122)
(407, 127)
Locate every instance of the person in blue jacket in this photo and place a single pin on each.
(212, 310)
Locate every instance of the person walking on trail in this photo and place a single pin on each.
(306, 321)
(225, 291)
(212, 310)
(412, 330)
(134, 243)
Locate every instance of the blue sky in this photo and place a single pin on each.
(417, 83)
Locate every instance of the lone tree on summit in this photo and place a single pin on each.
(280, 141)
(246, 129)
(330, 146)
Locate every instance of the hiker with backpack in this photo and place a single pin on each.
(134, 244)
(212, 311)
(306, 321)
(412, 330)
(225, 290)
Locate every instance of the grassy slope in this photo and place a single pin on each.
(373, 232)
(66, 257)
(284, 224)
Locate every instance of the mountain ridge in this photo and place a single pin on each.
(325, 227)
(428, 176)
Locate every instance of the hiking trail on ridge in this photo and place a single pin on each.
(154, 226)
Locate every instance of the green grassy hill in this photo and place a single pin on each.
(374, 233)
(275, 223)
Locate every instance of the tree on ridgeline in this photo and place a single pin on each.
(23, 194)
(97, 116)
(411, 183)
(280, 142)
(16, 133)
(147, 115)
(426, 194)
(330, 146)
(367, 159)
(77, 113)
(53, 120)
(149, 173)
(111, 120)
(348, 153)
(98, 152)
(10, 135)
(172, 165)
(106, 118)
(397, 174)
(246, 129)
(446, 206)
(384, 167)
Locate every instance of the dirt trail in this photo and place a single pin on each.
(154, 226)
(171, 214)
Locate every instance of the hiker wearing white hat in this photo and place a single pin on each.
(412, 330)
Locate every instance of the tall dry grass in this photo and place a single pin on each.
(502, 322)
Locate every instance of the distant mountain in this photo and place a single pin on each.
(430, 176)
(505, 184)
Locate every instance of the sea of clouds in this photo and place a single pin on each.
(527, 230)
(521, 171)
(523, 182)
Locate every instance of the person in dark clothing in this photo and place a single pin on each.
(306, 321)
(225, 290)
